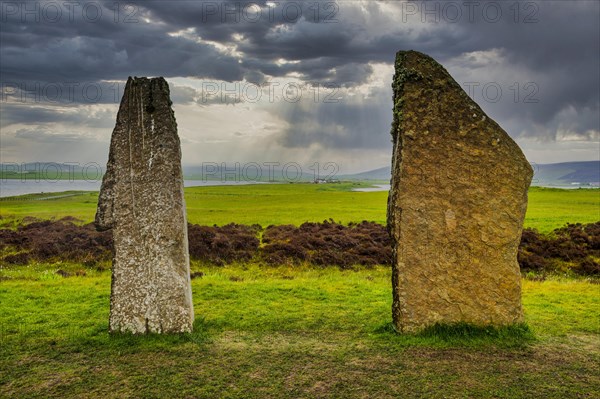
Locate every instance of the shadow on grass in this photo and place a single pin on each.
(96, 339)
(100, 338)
(460, 335)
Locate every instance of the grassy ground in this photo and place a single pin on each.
(550, 208)
(298, 203)
(289, 333)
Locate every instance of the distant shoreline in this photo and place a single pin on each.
(17, 187)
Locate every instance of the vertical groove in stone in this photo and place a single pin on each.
(142, 201)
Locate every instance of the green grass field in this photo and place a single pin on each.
(291, 332)
(298, 203)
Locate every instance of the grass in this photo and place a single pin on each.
(550, 208)
(283, 332)
(288, 333)
(297, 203)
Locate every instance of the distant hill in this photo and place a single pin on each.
(556, 174)
(248, 172)
(384, 173)
(567, 174)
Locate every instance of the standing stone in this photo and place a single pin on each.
(456, 205)
(142, 201)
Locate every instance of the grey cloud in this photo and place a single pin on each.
(61, 93)
(558, 51)
(255, 77)
(40, 115)
(348, 124)
(87, 51)
(559, 46)
(47, 136)
(183, 94)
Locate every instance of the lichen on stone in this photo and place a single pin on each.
(456, 205)
(141, 200)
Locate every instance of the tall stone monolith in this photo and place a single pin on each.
(456, 206)
(142, 201)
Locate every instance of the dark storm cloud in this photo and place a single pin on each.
(87, 50)
(345, 124)
(68, 91)
(13, 114)
(560, 33)
(560, 50)
(555, 43)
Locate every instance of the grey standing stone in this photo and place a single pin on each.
(456, 206)
(142, 201)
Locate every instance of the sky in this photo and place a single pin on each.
(290, 81)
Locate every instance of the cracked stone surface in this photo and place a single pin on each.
(456, 206)
(141, 200)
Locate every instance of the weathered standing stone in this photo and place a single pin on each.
(141, 199)
(456, 206)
